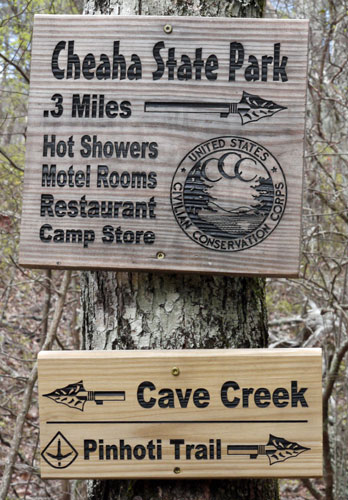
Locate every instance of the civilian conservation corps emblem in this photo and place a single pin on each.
(228, 194)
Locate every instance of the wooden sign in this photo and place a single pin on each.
(165, 143)
(190, 414)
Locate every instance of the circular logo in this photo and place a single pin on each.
(228, 194)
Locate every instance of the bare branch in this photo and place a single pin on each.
(310, 487)
(16, 66)
(17, 436)
(11, 162)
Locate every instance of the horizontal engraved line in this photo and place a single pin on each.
(178, 422)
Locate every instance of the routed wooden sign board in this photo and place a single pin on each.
(191, 414)
(165, 143)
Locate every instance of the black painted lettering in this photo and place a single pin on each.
(58, 103)
(171, 63)
(125, 108)
(134, 71)
(266, 60)
(149, 237)
(252, 72)
(201, 398)
(44, 236)
(121, 149)
(89, 446)
(152, 205)
(135, 150)
(88, 237)
(111, 448)
(61, 148)
(262, 397)
(177, 443)
(140, 394)
(49, 145)
(189, 448)
(74, 236)
(46, 209)
(73, 63)
(280, 397)
(211, 66)
(111, 109)
(231, 384)
(156, 75)
(48, 178)
(140, 209)
(185, 69)
(150, 449)
(102, 176)
(108, 232)
(247, 391)
(125, 180)
(183, 399)
(201, 452)
(152, 180)
(139, 180)
(119, 63)
(101, 449)
(62, 178)
(81, 108)
(167, 399)
(60, 208)
(125, 448)
(153, 147)
(111, 235)
(103, 71)
(85, 143)
(57, 72)
(139, 452)
(198, 64)
(88, 65)
(279, 69)
(297, 395)
(236, 59)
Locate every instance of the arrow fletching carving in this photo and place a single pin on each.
(282, 449)
(72, 395)
(252, 108)
(75, 396)
(277, 449)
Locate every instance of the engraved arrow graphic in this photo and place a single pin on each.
(250, 108)
(277, 450)
(75, 396)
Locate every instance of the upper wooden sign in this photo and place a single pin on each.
(165, 143)
(204, 413)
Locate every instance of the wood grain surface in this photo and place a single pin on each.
(158, 414)
(178, 151)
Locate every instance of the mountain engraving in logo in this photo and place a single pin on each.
(75, 396)
(59, 453)
(228, 194)
(277, 450)
(251, 107)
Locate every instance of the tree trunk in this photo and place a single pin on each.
(153, 311)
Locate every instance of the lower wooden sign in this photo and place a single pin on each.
(187, 414)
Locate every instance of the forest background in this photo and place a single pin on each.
(41, 308)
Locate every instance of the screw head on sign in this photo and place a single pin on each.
(175, 371)
(168, 28)
(160, 255)
(177, 470)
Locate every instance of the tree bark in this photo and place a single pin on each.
(153, 311)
